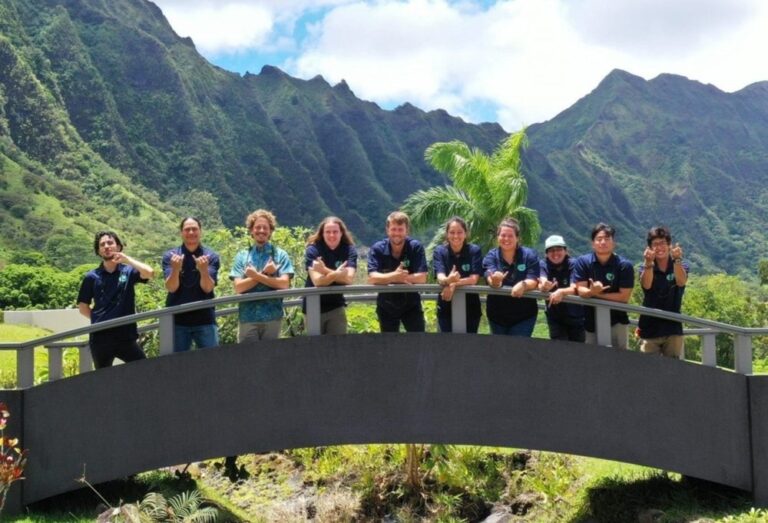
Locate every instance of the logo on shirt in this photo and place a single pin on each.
(406, 263)
(123, 278)
(564, 282)
(338, 264)
(670, 277)
(465, 267)
(609, 276)
(521, 267)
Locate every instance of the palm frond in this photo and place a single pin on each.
(509, 154)
(530, 229)
(433, 206)
(446, 156)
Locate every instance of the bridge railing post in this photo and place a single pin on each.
(742, 353)
(312, 317)
(459, 311)
(55, 363)
(85, 359)
(603, 325)
(709, 349)
(166, 333)
(25, 367)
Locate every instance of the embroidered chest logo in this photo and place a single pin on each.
(670, 277)
(521, 267)
(406, 263)
(465, 267)
(609, 276)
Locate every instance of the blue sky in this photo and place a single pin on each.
(515, 62)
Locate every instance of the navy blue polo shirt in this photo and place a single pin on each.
(468, 261)
(333, 258)
(664, 294)
(113, 296)
(618, 273)
(506, 310)
(563, 274)
(189, 285)
(380, 259)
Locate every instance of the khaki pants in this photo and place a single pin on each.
(257, 331)
(618, 336)
(334, 322)
(670, 346)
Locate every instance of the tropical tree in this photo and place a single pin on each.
(486, 189)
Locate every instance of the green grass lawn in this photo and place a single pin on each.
(8, 357)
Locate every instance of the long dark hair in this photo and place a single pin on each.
(317, 236)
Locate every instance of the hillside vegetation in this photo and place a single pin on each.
(110, 119)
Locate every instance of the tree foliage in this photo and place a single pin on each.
(486, 189)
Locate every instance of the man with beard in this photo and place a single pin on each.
(110, 287)
(260, 268)
(398, 260)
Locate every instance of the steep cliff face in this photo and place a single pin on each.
(109, 119)
(637, 153)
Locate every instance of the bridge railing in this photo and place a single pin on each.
(56, 343)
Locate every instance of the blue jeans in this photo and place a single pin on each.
(521, 328)
(204, 336)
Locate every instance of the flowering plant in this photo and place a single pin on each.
(12, 458)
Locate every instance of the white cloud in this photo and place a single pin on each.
(215, 29)
(526, 60)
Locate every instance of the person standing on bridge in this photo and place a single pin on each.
(331, 260)
(260, 268)
(110, 287)
(663, 277)
(191, 273)
(565, 320)
(457, 263)
(511, 265)
(606, 275)
(398, 260)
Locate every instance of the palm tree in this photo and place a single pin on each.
(486, 189)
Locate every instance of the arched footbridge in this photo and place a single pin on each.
(699, 420)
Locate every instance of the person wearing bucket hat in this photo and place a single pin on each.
(565, 320)
(511, 265)
(606, 275)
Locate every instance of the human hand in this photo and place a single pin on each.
(270, 268)
(447, 293)
(251, 272)
(497, 278)
(454, 276)
(546, 285)
(556, 297)
(318, 265)
(202, 263)
(649, 255)
(596, 287)
(677, 252)
(176, 261)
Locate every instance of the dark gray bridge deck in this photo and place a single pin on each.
(420, 388)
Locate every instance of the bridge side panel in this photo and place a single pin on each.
(440, 388)
(758, 398)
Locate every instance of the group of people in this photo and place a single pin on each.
(191, 274)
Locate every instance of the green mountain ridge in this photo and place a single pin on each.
(670, 150)
(110, 119)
